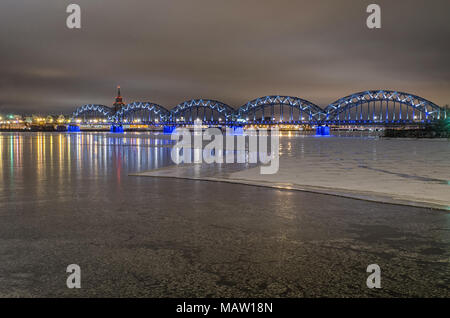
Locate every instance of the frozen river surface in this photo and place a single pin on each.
(403, 170)
(406, 171)
(69, 199)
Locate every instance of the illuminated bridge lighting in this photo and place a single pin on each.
(364, 108)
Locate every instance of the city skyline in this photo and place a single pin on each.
(166, 53)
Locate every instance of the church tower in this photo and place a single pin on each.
(119, 101)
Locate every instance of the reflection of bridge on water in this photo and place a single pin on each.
(377, 107)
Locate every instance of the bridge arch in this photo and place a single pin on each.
(299, 110)
(207, 110)
(141, 112)
(382, 106)
(90, 112)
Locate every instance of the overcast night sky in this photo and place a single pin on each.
(167, 51)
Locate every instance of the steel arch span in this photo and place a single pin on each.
(299, 110)
(382, 106)
(91, 111)
(142, 112)
(208, 110)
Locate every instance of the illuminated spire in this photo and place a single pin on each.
(119, 101)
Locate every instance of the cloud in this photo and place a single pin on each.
(167, 51)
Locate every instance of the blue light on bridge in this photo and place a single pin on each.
(322, 131)
(73, 128)
(168, 129)
(238, 130)
(361, 108)
(116, 129)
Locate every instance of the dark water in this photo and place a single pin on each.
(67, 199)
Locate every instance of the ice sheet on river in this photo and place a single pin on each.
(405, 171)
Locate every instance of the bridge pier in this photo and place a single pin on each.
(116, 128)
(238, 130)
(322, 131)
(73, 128)
(168, 129)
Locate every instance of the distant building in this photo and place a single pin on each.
(28, 119)
(50, 119)
(36, 119)
(61, 119)
(119, 101)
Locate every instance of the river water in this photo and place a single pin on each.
(67, 198)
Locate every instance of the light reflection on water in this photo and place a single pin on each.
(94, 151)
(38, 165)
(63, 155)
(45, 164)
(31, 157)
